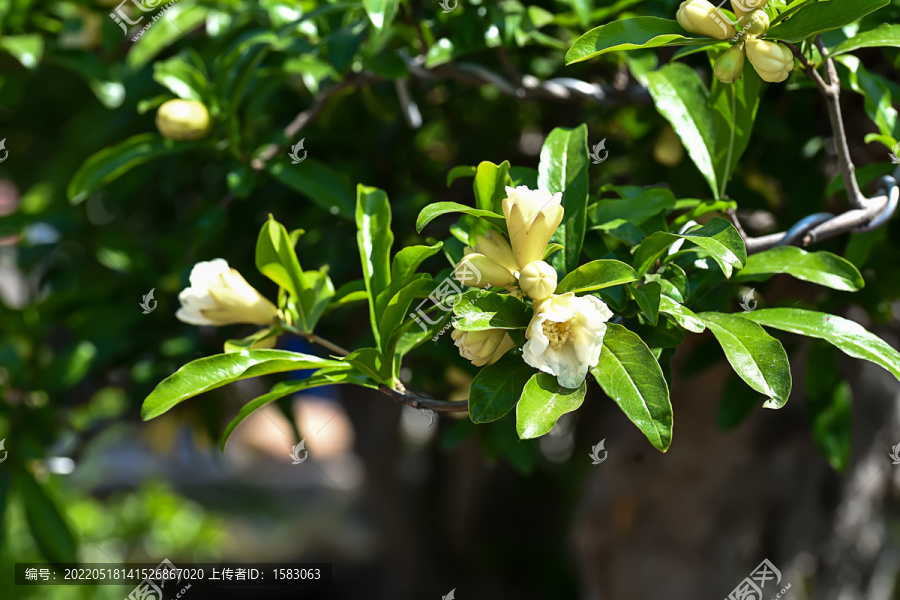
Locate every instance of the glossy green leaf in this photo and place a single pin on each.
(821, 267)
(281, 390)
(371, 363)
(178, 21)
(460, 172)
(630, 34)
(635, 210)
(820, 17)
(884, 35)
(433, 211)
(681, 97)
(490, 185)
(718, 238)
(497, 387)
(276, 259)
(849, 337)
(317, 182)
(758, 358)
(681, 314)
(317, 295)
(396, 310)
(211, 372)
(542, 403)
(48, 524)
(374, 238)
(381, 12)
(114, 161)
(407, 261)
(182, 77)
(631, 376)
(595, 275)
(478, 310)
(734, 108)
(564, 168)
(647, 297)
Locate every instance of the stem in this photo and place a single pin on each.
(315, 339)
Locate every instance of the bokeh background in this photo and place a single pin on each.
(405, 504)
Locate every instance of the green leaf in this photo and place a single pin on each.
(114, 161)
(681, 97)
(734, 108)
(497, 387)
(374, 238)
(882, 36)
(681, 314)
(877, 95)
(564, 168)
(490, 185)
(636, 209)
(820, 17)
(542, 403)
(758, 358)
(849, 337)
(631, 376)
(276, 259)
(407, 261)
(182, 77)
(28, 49)
(433, 211)
(316, 297)
(822, 267)
(246, 343)
(459, 172)
(595, 275)
(630, 34)
(215, 371)
(371, 363)
(648, 298)
(381, 12)
(479, 310)
(45, 520)
(280, 390)
(178, 21)
(395, 310)
(317, 182)
(719, 238)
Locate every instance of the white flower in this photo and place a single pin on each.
(482, 347)
(219, 295)
(532, 217)
(565, 337)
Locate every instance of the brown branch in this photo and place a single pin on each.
(424, 403)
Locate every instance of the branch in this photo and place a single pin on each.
(424, 403)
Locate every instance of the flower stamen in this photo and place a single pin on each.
(559, 333)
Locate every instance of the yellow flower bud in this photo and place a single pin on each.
(482, 347)
(182, 120)
(756, 23)
(532, 217)
(742, 8)
(730, 65)
(702, 18)
(219, 295)
(771, 60)
(538, 280)
(477, 270)
(496, 248)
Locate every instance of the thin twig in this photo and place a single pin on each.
(424, 403)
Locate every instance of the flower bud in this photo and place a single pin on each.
(182, 120)
(482, 347)
(756, 23)
(532, 217)
(730, 65)
(771, 60)
(702, 18)
(496, 248)
(742, 8)
(477, 270)
(538, 280)
(219, 295)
